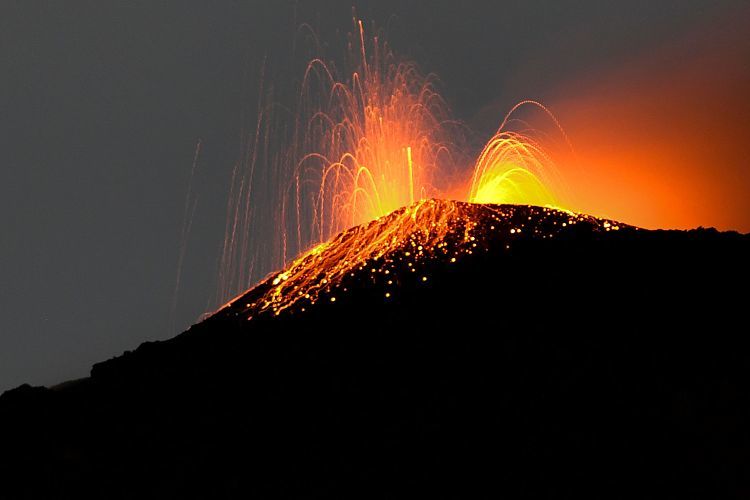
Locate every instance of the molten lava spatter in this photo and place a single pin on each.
(515, 167)
(370, 136)
(395, 249)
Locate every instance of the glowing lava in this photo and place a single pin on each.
(363, 146)
(515, 168)
(379, 143)
(391, 250)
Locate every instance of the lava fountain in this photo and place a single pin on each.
(364, 143)
(515, 167)
(376, 142)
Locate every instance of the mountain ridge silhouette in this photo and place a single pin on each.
(595, 362)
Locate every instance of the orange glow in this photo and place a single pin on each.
(662, 141)
(656, 148)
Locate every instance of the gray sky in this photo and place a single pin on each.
(102, 103)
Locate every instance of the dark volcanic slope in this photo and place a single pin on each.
(562, 361)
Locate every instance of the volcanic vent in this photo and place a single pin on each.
(403, 248)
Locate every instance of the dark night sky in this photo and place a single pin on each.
(101, 105)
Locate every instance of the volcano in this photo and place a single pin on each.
(446, 350)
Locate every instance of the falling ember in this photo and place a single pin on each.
(365, 144)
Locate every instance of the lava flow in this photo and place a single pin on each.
(395, 249)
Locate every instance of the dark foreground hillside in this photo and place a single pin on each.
(592, 363)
